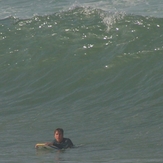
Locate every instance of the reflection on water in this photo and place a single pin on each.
(45, 154)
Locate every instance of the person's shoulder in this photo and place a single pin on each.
(68, 142)
(66, 139)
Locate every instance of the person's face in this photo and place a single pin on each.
(58, 136)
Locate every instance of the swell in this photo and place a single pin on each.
(65, 55)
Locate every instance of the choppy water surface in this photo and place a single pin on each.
(92, 68)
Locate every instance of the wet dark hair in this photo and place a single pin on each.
(59, 130)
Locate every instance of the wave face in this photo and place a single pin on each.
(96, 73)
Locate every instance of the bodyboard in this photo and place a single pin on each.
(44, 146)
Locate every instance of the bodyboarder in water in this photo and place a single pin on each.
(60, 142)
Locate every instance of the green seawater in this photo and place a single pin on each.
(96, 74)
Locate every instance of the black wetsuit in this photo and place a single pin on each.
(66, 143)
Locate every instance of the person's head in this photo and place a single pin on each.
(58, 134)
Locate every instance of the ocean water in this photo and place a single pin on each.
(94, 68)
